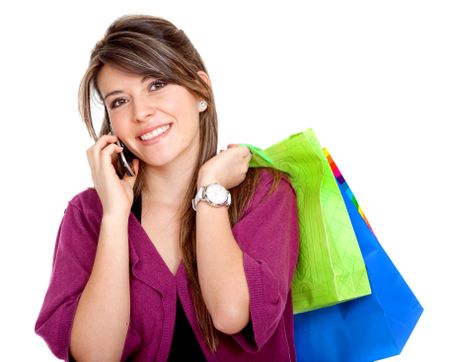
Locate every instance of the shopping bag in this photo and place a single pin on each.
(365, 329)
(330, 268)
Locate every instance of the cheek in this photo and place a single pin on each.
(119, 129)
(181, 103)
(177, 107)
(120, 123)
(187, 115)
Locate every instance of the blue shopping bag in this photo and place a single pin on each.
(368, 328)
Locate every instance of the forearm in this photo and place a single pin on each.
(221, 269)
(103, 312)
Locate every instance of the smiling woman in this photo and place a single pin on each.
(141, 274)
(137, 106)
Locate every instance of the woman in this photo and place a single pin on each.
(144, 269)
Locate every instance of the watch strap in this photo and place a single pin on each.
(201, 196)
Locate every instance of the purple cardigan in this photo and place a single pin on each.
(268, 235)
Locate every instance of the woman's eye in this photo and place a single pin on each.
(158, 84)
(117, 102)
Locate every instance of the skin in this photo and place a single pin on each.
(103, 310)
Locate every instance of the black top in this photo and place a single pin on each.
(185, 346)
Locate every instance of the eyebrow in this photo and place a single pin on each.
(120, 91)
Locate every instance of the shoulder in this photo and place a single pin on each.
(86, 199)
(270, 191)
(272, 212)
(266, 185)
(267, 177)
(87, 203)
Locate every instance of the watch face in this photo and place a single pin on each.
(216, 193)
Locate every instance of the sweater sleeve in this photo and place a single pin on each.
(73, 259)
(268, 236)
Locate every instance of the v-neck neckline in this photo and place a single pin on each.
(155, 250)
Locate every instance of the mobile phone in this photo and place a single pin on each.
(123, 160)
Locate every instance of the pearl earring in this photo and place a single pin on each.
(202, 105)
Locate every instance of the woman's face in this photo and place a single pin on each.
(155, 120)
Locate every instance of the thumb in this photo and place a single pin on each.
(132, 179)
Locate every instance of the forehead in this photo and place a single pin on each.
(112, 78)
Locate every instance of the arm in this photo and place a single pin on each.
(87, 306)
(221, 270)
(268, 238)
(103, 313)
(219, 258)
(78, 243)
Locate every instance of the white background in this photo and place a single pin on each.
(371, 78)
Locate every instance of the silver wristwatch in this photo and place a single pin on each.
(214, 194)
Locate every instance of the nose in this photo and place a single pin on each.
(143, 108)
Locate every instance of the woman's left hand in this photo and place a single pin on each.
(228, 168)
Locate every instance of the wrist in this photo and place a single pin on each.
(205, 179)
(115, 216)
(212, 193)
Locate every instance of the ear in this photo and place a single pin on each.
(205, 77)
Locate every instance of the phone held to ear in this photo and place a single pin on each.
(123, 160)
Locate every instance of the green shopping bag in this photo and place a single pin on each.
(330, 268)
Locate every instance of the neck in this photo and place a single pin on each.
(167, 185)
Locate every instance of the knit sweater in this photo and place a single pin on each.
(267, 233)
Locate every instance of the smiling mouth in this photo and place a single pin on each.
(155, 133)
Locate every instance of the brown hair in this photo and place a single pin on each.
(153, 46)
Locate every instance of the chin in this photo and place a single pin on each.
(157, 161)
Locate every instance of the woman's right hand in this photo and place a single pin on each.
(116, 194)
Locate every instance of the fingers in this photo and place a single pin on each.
(103, 141)
(244, 151)
(132, 179)
(107, 152)
(231, 145)
(102, 152)
(105, 155)
(100, 144)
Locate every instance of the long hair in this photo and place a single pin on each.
(153, 46)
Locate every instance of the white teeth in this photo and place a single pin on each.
(154, 133)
